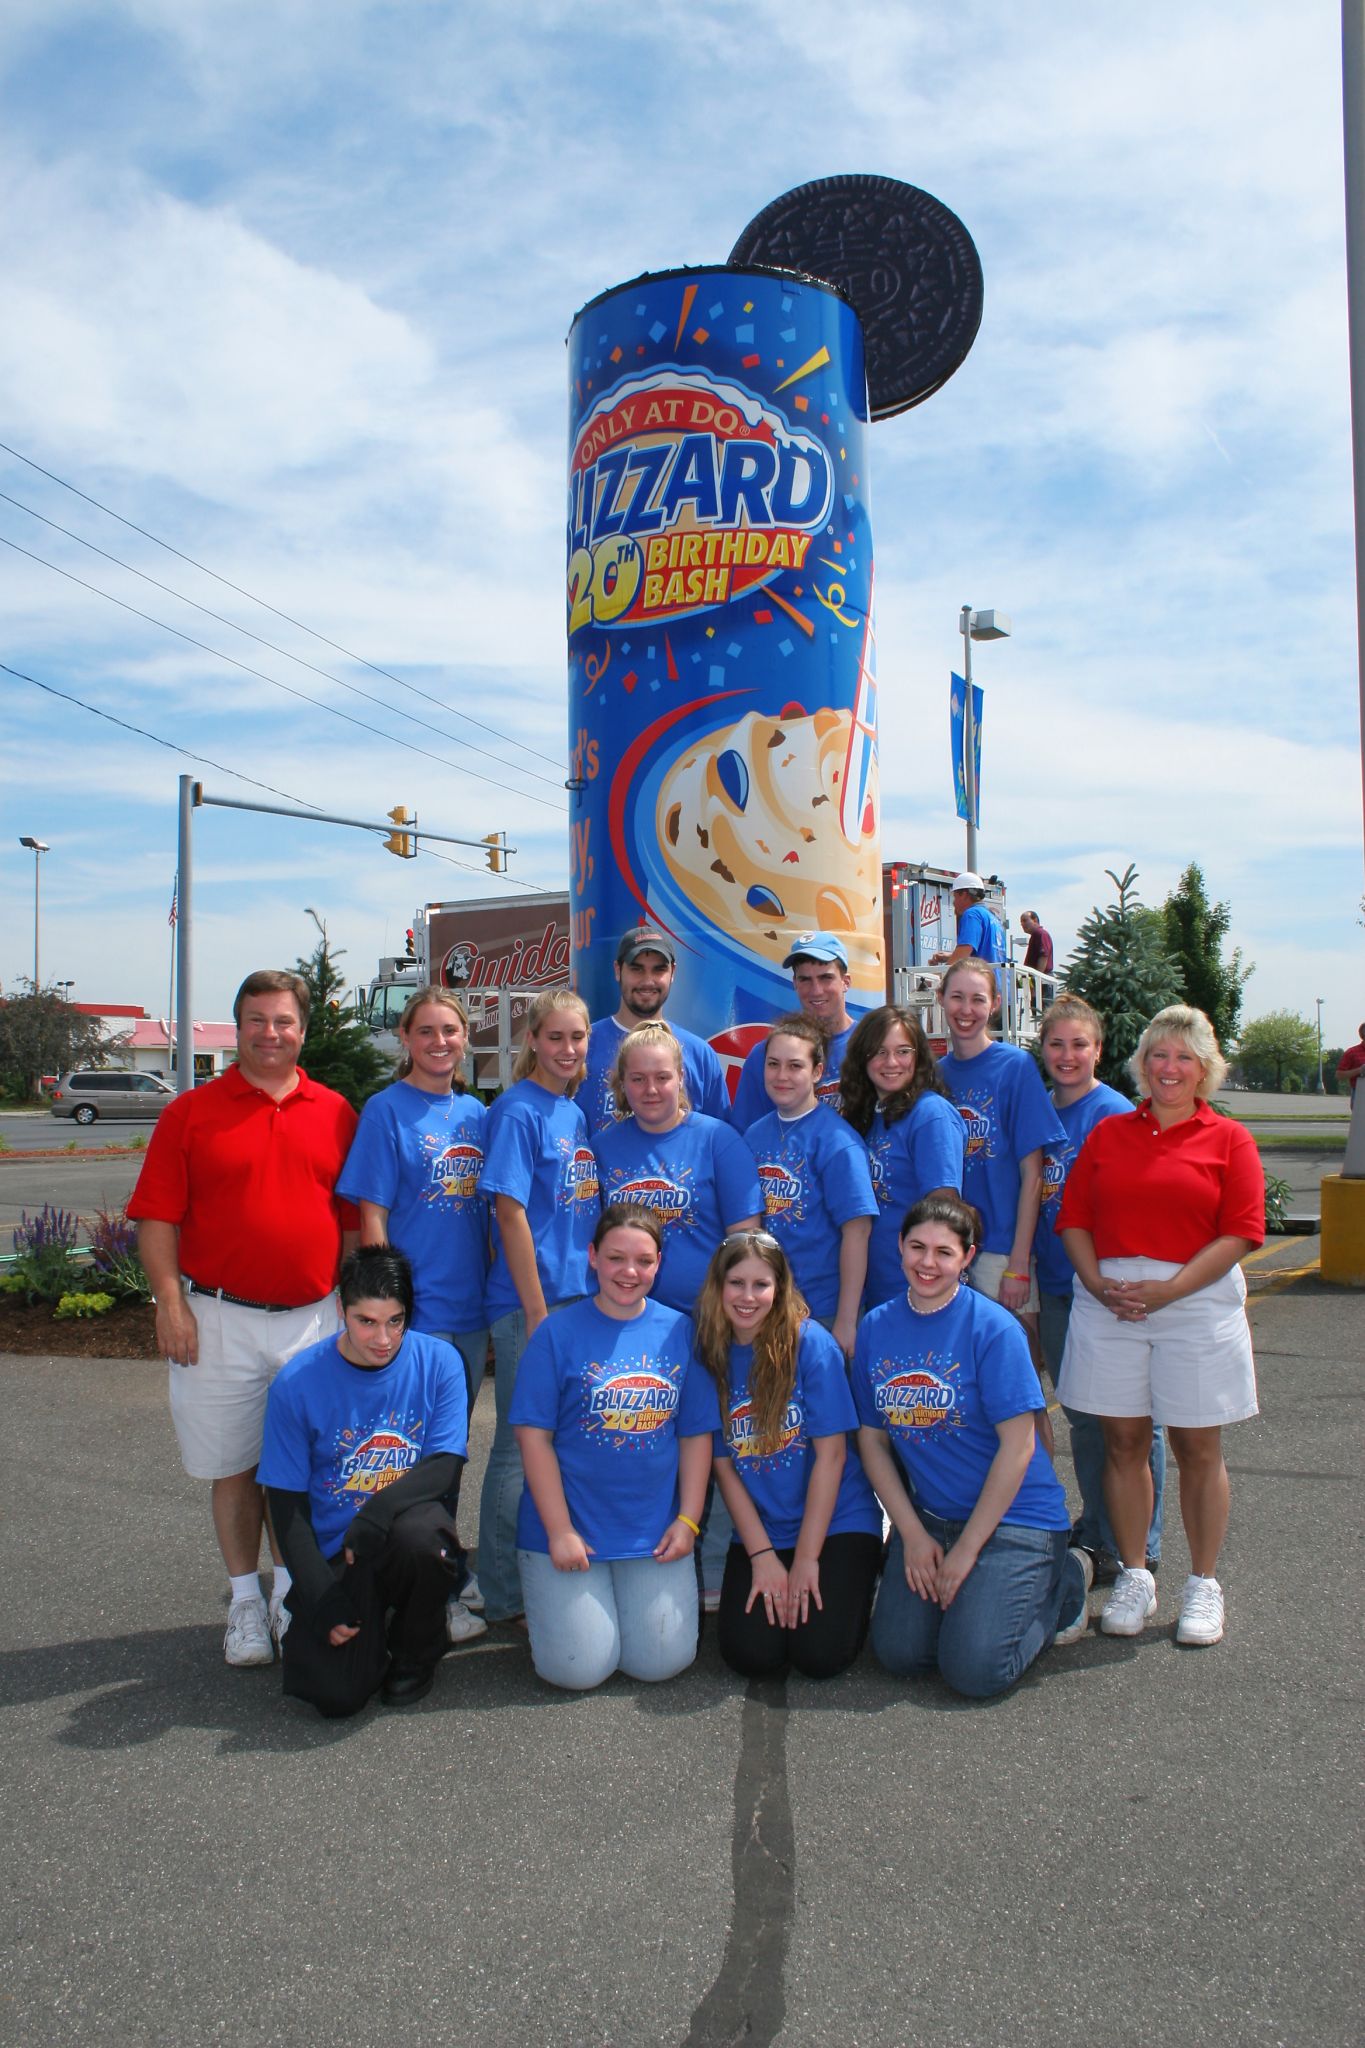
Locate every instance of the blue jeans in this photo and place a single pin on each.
(1007, 1609)
(717, 1530)
(499, 1579)
(633, 1615)
(472, 1346)
(1087, 1446)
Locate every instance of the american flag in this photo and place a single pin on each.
(175, 892)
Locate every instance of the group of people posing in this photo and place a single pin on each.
(734, 1342)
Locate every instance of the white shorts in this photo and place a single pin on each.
(1188, 1365)
(988, 1269)
(218, 1405)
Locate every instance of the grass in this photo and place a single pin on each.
(1305, 1141)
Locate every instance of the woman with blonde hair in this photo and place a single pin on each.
(806, 1549)
(540, 1176)
(694, 1174)
(413, 1172)
(1158, 1210)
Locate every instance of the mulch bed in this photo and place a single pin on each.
(30, 1330)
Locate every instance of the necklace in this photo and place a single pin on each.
(915, 1308)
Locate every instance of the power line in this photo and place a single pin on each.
(228, 584)
(246, 632)
(208, 761)
(331, 709)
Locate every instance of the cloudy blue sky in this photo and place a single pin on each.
(287, 286)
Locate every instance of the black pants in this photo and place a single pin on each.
(414, 1575)
(828, 1640)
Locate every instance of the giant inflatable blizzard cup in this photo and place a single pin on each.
(722, 694)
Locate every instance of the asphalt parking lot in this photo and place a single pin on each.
(1138, 1845)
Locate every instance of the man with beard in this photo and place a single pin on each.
(645, 966)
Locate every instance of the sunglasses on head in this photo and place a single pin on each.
(763, 1237)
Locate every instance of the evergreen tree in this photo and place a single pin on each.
(1122, 968)
(1195, 930)
(337, 1049)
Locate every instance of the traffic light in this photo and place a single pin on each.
(497, 852)
(404, 844)
(410, 951)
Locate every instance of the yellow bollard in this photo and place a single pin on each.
(1343, 1230)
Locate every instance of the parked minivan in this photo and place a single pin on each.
(93, 1092)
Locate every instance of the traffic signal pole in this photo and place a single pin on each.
(192, 795)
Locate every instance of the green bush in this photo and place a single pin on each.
(46, 1267)
(82, 1305)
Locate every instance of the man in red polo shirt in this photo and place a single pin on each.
(240, 1235)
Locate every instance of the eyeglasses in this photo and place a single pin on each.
(764, 1238)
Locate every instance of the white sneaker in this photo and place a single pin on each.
(461, 1625)
(1201, 1612)
(1072, 1630)
(1132, 1602)
(280, 1618)
(471, 1596)
(248, 1639)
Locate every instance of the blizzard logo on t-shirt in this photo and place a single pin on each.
(377, 1461)
(742, 1438)
(669, 1202)
(1054, 1178)
(781, 1188)
(455, 1171)
(978, 1130)
(915, 1399)
(633, 1403)
(580, 1175)
(879, 1162)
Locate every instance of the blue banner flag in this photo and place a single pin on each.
(957, 704)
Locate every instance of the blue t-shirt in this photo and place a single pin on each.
(420, 1156)
(703, 1075)
(921, 1151)
(341, 1433)
(1078, 1120)
(980, 929)
(1008, 1113)
(617, 1396)
(820, 1405)
(535, 1149)
(751, 1096)
(698, 1179)
(814, 1175)
(937, 1385)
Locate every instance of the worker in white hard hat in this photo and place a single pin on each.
(980, 933)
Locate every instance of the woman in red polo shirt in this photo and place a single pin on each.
(1159, 1208)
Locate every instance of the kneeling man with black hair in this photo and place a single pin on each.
(365, 1440)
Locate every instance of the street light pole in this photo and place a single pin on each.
(1319, 1090)
(39, 848)
(974, 626)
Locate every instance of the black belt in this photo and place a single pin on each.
(272, 1308)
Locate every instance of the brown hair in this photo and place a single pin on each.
(857, 1092)
(542, 1006)
(638, 1039)
(798, 1025)
(628, 1216)
(445, 999)
(951, 1211)
(1071, 1010)
(271, 981)
(775, 1341)
(972, 963)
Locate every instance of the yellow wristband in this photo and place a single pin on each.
(689, 1523)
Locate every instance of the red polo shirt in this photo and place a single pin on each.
(1145, 1193)
(249, 1182)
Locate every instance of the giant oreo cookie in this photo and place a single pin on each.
(903, 258)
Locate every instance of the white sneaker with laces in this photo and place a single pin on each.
(471, 1596)
(1131, 1604)
(248, 1639)
(1201, 1612)
(280, 1618)
(461, 1625)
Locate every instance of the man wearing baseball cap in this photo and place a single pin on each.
(646, 963)
(980, 933)
(819, 971)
